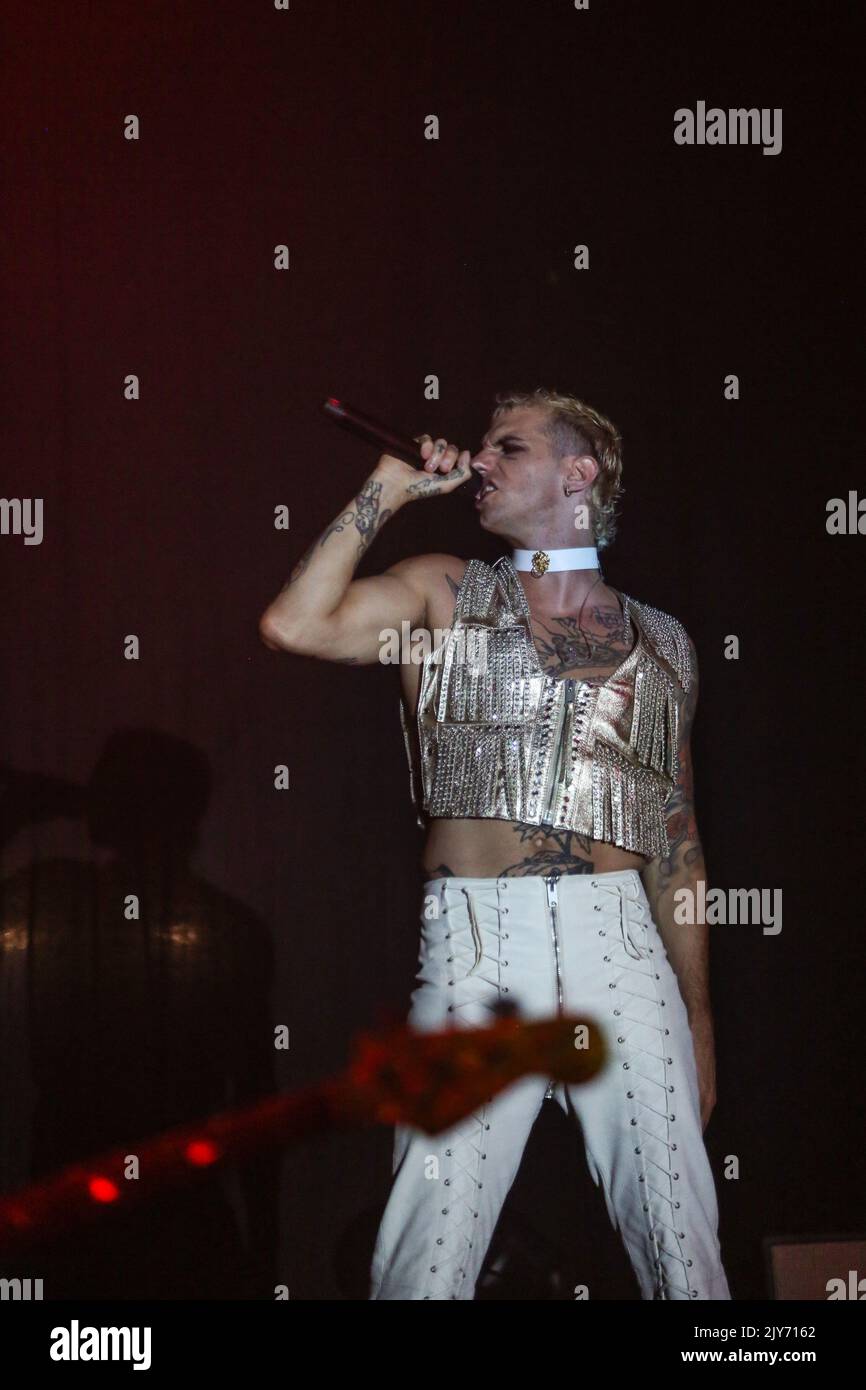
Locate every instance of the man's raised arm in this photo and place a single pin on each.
(321, 611)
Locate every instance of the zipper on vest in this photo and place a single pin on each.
(553, 907)
(559, 763)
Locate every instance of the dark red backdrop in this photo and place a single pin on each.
(409, 257)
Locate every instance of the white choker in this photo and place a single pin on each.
(577, 557)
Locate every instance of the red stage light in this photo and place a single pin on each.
(103, 1190)
(201, 1152)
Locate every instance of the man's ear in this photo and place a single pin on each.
(581, 472)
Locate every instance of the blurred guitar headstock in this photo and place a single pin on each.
(433, 1080)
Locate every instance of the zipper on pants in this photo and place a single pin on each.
(550, 881)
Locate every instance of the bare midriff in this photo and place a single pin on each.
(499, 848)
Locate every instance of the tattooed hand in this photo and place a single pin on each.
(445, 469)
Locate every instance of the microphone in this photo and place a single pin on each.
(390, 442)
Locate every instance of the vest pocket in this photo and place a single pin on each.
(479, 770)
(628, 802)
(487, 675)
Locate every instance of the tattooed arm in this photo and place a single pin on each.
(683, 868)
(321, 611)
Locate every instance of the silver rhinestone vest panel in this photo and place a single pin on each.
(496, 737)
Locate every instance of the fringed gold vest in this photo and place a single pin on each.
(497, 738)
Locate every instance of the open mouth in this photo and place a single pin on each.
(484, 491)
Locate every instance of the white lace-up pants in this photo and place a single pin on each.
(587, 944)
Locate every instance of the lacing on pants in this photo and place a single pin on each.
(470, 956)
(474, 954)
(647, 1072)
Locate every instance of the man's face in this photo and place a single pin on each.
(517, 458)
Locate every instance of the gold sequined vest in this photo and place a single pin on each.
(496, 737)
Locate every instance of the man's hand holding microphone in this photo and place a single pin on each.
(445, 469)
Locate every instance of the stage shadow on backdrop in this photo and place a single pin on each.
(128, 1026)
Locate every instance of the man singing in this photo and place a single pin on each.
(548, 737)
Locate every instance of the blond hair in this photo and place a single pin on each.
(575, 428)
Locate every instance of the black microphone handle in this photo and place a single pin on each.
(388, 440)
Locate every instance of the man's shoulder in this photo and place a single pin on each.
(434, 569)
(670, 638)
(654, 612)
